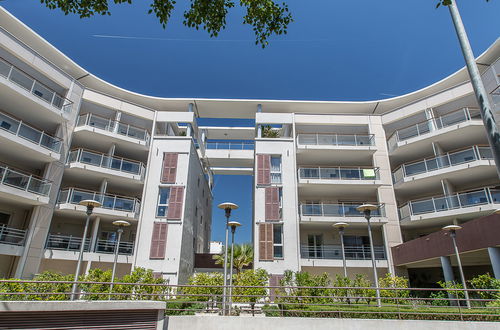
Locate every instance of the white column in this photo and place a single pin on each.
(94, 233)
(494, 253)
(103, 187)
(118, 117)
(447, 269)
(429, 114)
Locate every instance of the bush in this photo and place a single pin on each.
(391, 296)
(182, 307)
(302, 294)
(142, 292)
(244, 292)
(440, 297)
(35, 291)
(209, 286)
(363, 293)
(486, 281)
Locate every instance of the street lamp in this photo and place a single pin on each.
(90, 204)
(367, 209)
(341, 226)
(120, 224)
(452, 229)
(227, 207)
(233, 225)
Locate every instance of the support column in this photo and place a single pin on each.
(259, 127)
(110, 154)
(447, 269)
(189, 130)
(118, 117)
(448, 188)
(103, 187)
(94, 232)
(429, 115)
(494, 253)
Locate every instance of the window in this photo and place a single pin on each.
(278, 241)
(315, 246)
(201, 220)
(275, 169)
(163, 197)
(4, 219)
(196, 211)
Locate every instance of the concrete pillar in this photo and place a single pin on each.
(429, 114)
(448, 188)
(94, 232)
(110, 153)
(103, 187)
(259, 127)
(189, 130)
(494, 253)
(388, 251)
(118, 117)
(447, 269)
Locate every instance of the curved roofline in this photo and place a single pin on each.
(246, 107)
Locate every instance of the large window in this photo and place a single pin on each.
(163, 197)
(275, 169)
(278, 241)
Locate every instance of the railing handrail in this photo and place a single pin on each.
(242, 144)
(341, 167)
(322, 205)
(112, 121)
(99, 193)
(69, 239)
(356, 142)
(18, 171)
(359, 170)
(105, 155)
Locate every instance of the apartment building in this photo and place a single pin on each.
(67, 136)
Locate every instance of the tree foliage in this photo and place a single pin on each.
(446, 3)
(266, 17)
(243, 256)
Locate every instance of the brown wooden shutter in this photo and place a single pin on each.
(273, 203)
(266, 242)
(158, 241)
(175, 203)
(169, 167)
(263, 169)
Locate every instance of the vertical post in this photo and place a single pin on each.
(189, 129)
(494, 253)
(80, 255)
(453, 235)
(224, 294)
(117, 248)
(233, 229)
(375, 276)
(477, 84)
(259, 126)
(341, 232)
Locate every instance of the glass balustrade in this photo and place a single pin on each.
(12, 236)
(109, 125)
(73, 243)
(230, 145)
(112, 202)
(25, 182)
(338, 173)
(102, 160)
(337, 210)
(336, 139)
(334, 252)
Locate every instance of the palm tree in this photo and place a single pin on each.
(243, 256)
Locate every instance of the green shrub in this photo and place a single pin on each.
(38, 291)
(439, 296)
(304, 288)
(248, 286)
(182, 307)
(142, 292)
(361, 291)
(209, 286)
(486, 281)
(391, 296)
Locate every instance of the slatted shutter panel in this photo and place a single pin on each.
(263, 169)
(266, 242)
(175, 203)
(158, 241)
(169, 167)
(273, 203)
(274, 280)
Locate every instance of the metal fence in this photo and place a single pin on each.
(334, 252)
(278, 300)
(73, 243)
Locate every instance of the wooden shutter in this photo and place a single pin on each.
(274, 280)
(175, 203)
(263, 169)
(169, 167)
(158, 241)
(266, 242)
(273, 203)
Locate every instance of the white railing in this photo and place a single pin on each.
(447, 160)
(445, 203)
(339, 173)
(107, 246)
(230, 145)
(73, 243)
(25, 182)
(336, 139)
(105, 161)
(18, 128)
(110, 125)
(337, 210)
(335, 252)
(111, 202)
(35, 87)
(11, 236)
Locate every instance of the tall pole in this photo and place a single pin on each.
(224, 294)
(372, 252)
(453, 234)
(341, 232)
(80, 255)
(233, 229)
(117, 247)
(477, 84)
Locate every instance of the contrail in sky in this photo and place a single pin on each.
(195, 40)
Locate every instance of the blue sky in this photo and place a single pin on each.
(335, 50)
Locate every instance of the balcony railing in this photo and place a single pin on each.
(336, 139)
(25, 182)
(102, 160)
(447, 160)
(445, 203)
(72, 243)
(230, 145)
(337, 210)
(110, 125)
(111, 202)
(11, 236)
(18, 128)
(335, 252)
(35, 87)
(433, 124)
(339, 173)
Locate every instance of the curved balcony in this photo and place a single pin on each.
(334, 212)
(23, 187)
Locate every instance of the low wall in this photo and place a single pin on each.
(293, 323)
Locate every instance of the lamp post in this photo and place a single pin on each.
(452, 229)
(227, 207)
(233, 225)
(120, 224)
(367, 209)
(341, 226)
(90, 204)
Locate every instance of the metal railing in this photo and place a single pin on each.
(335, 252)
(38, 137)
(25, 182)
(433, 124)
(35, 87)
(447, 160)
(336, 139)
(280, 300)
(113, 126)
(105, 161)
(445, 203)
(72, 243)
(231, 145)
(111, 202)
(12, 236)
(339, 173)
(337, 210)
(105, 246)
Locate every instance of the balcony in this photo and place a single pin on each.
(228, 157)
(113, 206)
(335, 252)
(12, 236)
(230, 145)
(105, 166)
(334, 212)
(34, 87)
(352, 178)
(23, 187)
(119, 132)
(72, 243)
(466, 205)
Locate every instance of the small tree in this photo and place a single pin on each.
(243, 256)
(394, 282)
(269, 132)
(250, 287)
(208, 287)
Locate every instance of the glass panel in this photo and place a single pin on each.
(364, 140)
(4, 68)
(30, 133)
(349, 173)
(348, 140)
(473, 198)
(424, 206)
(327, 140)
(164, 195)
(453, 118)
(90, 158)
(16, 179)
(8, 123)
(43, 92)
(21, 79)
(278, 251)
(462, 156)
(485, 153)
(277, 235)
(50, 143)
(79, 196)
(98, 122)
(332, 210)
(162, 211)
(329, 173)
(309, 139)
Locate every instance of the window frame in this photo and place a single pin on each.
(271, 171)
(165, 205)
(278, 225)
